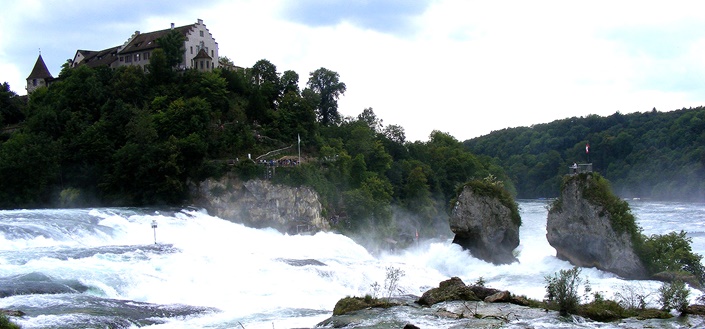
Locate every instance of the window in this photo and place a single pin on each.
(128, 59)
(137, 57)
(121, 58)
(34, 82)
(146, 56)
(201, 33)
(201, 65)
(191, 50)
(212, 54)
(208, 65)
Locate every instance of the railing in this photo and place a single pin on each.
(580, 168)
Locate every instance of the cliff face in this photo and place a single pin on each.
(582, 233)
(258, 203)
(483, 225)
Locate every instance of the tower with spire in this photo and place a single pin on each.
(40, 76)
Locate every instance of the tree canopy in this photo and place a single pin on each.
(112, 137)
(653, 154)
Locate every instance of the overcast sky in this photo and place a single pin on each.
(459, 66)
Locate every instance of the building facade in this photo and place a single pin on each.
(200, 49)
(200, 53)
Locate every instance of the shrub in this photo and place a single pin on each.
(672, 253)
(5, 323)
(674, 295)
(391, 282)
(603, 311)
(562, 290)
(632, 298)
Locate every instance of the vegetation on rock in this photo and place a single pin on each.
(491, 187)
(597, 190)
(352, 304)
(563, 295)
(5, 323)
(666, 257)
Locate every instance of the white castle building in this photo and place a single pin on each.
(200, 53)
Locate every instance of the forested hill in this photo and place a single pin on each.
(133, 137)
(657, 155)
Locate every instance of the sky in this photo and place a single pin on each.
(462, 67)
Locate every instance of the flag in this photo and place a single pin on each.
(587, 148)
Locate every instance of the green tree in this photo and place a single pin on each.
(172, 44)
(327, 85)
(225, 62)
(674, 295)
(160, 71)
(10, 106)
(29, 165)
(562, 290)
(290, 82)
(266, 80)
(672, 252)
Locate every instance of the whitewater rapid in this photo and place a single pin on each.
(214, 273)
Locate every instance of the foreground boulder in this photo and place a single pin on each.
(451, 289)
(590, 227)
(486, 222)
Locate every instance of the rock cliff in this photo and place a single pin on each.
(581, 230)
(485, 226)
(259, 203)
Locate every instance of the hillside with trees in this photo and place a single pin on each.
(126, 137)
(657, 155)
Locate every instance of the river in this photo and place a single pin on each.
(97, 268)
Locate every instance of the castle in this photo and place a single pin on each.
(200, 53)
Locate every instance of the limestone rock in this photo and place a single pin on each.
(582, 233)
(484, 226)
(695, 309)
(260, 204)
(500, 297)
(451, 289)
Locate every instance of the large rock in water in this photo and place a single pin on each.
(581, 232)
(260, 204)
(484, 226)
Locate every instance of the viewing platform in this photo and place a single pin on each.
(580, 168)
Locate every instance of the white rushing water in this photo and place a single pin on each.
(260, 278)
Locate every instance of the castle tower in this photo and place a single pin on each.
(40, 76)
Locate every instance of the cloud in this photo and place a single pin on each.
(387, 16)
(460, 66)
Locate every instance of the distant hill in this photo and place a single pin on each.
(657, 155)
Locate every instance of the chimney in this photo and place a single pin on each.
(200, 21)
(172, 26)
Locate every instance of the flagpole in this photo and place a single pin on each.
(299, 137)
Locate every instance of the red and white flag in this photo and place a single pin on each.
(587, 148)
